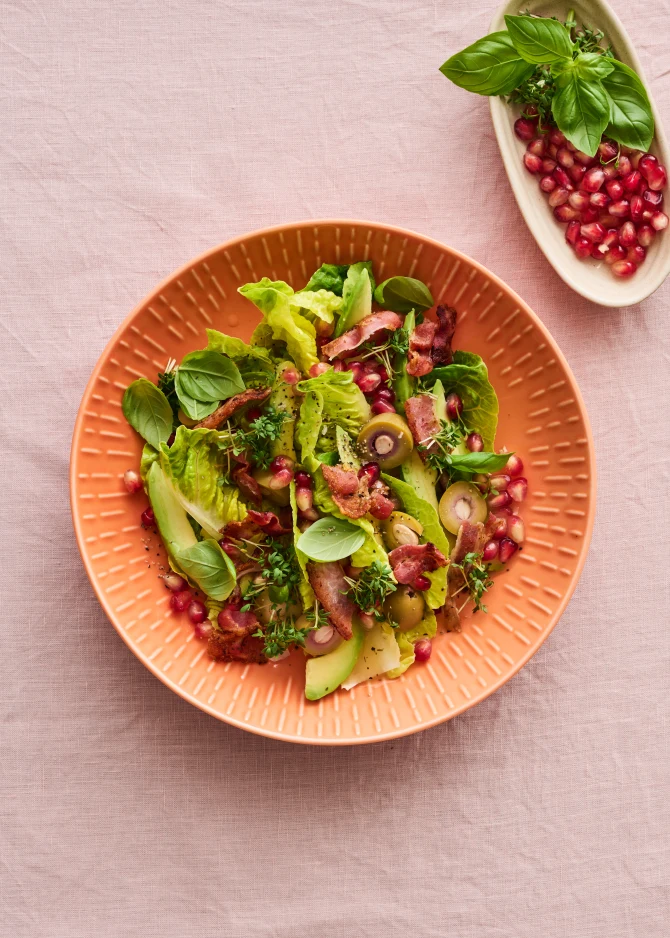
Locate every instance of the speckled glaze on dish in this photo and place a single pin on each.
(542, 416)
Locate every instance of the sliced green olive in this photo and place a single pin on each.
(268, 610)
(184, 419)
(387, 440)
(400, 529)
(405, 607)
(278, 496)
(461, 502)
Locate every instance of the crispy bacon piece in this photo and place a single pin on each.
(240, 530)
(451, 616)
(419, 361)
(330, 587)
(408, 561)
(228, 408)
(420, 413)
(350, 494)
(470, 540)
(441, 353)
(247, 485)
(234, 640)
(268, 522)
(361, 332)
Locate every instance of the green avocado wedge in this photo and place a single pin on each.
(325, 674)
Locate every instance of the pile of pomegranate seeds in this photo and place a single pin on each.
(611, 203)
(374, 381)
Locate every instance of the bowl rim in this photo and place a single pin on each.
(106, 604)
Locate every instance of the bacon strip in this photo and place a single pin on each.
(228, 408)
(470, 540)
(327, 581)
(410, 560)
(234, 640)
(247, 485)
(350, 494)
(269, 523)
(421, 340)
(361, 332)
(420, 413)
(441, 353)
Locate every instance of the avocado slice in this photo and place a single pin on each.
(422, 478)
(357, 298)
(325, 674)
(283, 399)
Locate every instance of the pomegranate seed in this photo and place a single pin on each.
(599, 199)
(369, 471)
(610, 239)
(552, 150)
(652, 200)
(516, 529)
(566, 213)
(382, 407)
(181, 601)
(383, 374)
(499, 501)
(507, 549)
(353, 366)
(290, 376)
(421, 583)
(562, 178)
(381, 508)
(280, 479)
(576, 173)
(338, 365)
(498, 526)
(132, 481)
(518, 489)
(572, 232)
(608, 151)
(197, 612)
(583, 247)
(593, 231)
(548, 183)
(636, 254)
(370, 367)
(623, 269)
(565, 157)
(578, 200)
(279, 463)
(584, 159)
(557, 137)
(615, 253)
(474, 443)
(531, 112)
(615, 189)
(636, 207)
(147, 518)
(593, 179)
(532, 163)
(628, 234)
(202, 629)
(659, 221)
(631, 181)
(422, 649)
(645, 235)
(548, 166)
(385, 394)
(514, 466)
(318, 369)
(610, 172)
(304, 498)
(500, 482)
(635, 156)
(171, 439)
(253, 414)
(646, 163)
(524, 129)
(620, 209)
(611, 222)
(570, 145)
(490, 551)
(369, 383)
(174, 582)
(454, 406)
(303, 480)
(590, 215)
(558, 197)
(624, 166)
(308, 515)
(537, 146)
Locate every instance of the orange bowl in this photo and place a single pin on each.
(542, 417)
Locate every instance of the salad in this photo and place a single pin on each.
(588, 125)
(332, 487)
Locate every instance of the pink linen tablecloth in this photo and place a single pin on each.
(136, 134)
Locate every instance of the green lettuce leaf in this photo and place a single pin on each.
(329, 277)
(357, 295)
(344, 403)
(433, 531)
(308, 428)
(469, 377)
(304, 587)
(148, 458)
(274, 299)
(427, 628)
(194, 465)
(319, 304)
(253, 361)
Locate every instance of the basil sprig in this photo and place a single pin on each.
(148, 411)
(594, 93)
(404, 294)
(203, 380)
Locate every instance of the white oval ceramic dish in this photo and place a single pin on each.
(590, 278)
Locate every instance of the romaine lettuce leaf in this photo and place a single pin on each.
(319, 304)
(344, 403)
(274, 298)
(328, 277)
(148, 458)
(304, 588)
(427, 628)
(194, 465)
(469, 377)
(357, 295)
(308, 428)
(432, 531)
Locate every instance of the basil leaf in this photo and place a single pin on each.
(539, 40)
(479, 462)
(196, 410)
(489, 66)
(208, 376)
(581, 110)
(148, 411)
(330, 539)
(404, 294)
(631, 120)
(587, 65)
(207, 565)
